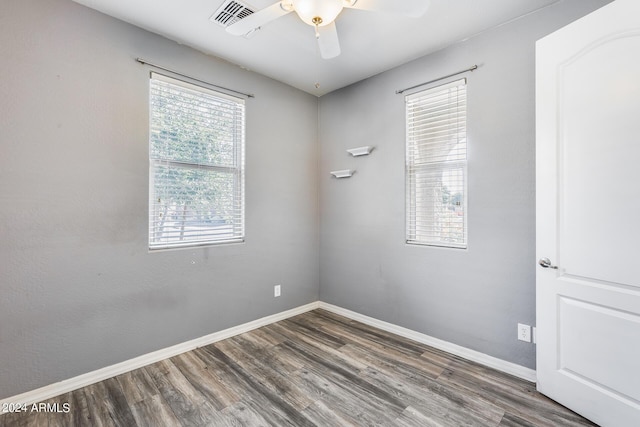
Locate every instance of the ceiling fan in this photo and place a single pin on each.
(322, 14)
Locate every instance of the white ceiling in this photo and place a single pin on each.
(286, 48)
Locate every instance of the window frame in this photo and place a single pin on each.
(412, 235)
(237, 170)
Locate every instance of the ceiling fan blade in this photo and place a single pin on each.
(257, 19)
(328, 41)
(412, 8)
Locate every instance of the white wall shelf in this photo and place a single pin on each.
(346, 173)
(360, 151)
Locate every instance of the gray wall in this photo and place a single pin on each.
(78, 289)
(472, 297)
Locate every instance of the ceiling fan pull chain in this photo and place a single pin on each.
(317, 21)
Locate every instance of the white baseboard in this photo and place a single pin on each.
(56, 389)
(475, 356)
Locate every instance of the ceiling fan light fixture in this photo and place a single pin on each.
(318, 12)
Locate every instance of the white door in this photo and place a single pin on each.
(588, 215)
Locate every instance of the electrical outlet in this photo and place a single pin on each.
(524, 332)
(276, 291)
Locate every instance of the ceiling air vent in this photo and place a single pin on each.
(230, 12)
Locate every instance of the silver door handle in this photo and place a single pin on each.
(546, 263)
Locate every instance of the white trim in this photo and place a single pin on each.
(56, 389)
(466, 353)
(65, 386)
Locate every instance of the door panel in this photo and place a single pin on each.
(593, 339)
(599, 124)
(587, 214)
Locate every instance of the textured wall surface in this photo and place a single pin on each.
(78, 288)
(474, 297)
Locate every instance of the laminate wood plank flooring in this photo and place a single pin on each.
(315, 369)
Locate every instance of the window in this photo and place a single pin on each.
(436, 166)
(196, 165)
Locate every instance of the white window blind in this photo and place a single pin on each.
(196, 165)
(436, 166)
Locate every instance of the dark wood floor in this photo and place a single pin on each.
(316, 369)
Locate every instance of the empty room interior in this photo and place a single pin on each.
(319, 213)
